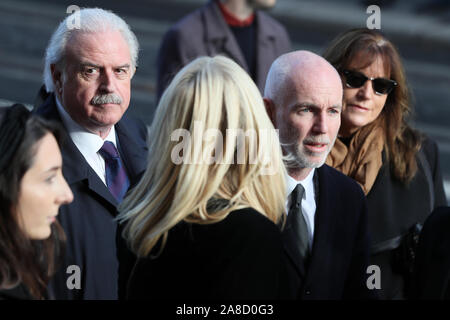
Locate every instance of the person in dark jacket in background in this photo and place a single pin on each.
(32, 188)
(237, 29)
(396, 166)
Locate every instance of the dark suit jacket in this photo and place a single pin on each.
(204, 32)
(337, 267)
(432, 271)
(240, 257)
(19, 292)
(88, 220)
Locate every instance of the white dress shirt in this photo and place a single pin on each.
(87, 142)
(308, 201)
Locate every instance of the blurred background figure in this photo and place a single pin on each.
(32, 188)
(432, 269)
(397, 167)
(201, 229)
(234, 28)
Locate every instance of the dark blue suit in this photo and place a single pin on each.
(340, 253)
(88, 220)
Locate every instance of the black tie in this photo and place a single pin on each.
(298, 224)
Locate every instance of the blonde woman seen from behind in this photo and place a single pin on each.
(203, 219)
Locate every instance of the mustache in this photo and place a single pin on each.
(317, 139)
(106, 99)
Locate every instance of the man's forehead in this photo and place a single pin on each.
(317, 93)
(98, 47)
(319, 89)
(97, 40)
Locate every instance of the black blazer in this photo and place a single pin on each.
(19, 292)
(240, 257)
(393, 208)
(337, 267)
(431, 278)
(88, 220)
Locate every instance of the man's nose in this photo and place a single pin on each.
(107, 81)
(320, 123)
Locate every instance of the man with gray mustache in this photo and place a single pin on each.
(325, 236)
(87, 75)
(106, 98)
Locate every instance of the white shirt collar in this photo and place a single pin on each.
(87, 142)
(307, 183)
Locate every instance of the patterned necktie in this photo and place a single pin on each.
(297, 223)
(116, 177)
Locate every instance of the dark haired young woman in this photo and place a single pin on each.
(32, 188)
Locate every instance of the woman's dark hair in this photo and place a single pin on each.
(402, 141)
(23, 260)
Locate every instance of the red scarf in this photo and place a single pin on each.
(232, 20)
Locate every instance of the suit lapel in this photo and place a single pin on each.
(75, 167)
(96, 185)
(324, 220)
(291, 249)
(219, 37)
(133, 154)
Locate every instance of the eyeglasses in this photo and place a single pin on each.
(355, 79)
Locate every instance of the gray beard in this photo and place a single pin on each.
(297, 160)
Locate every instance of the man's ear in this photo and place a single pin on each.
(270, 108)
(57, 78)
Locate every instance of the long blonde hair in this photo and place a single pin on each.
(219, 95)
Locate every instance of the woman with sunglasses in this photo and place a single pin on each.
(396, 166)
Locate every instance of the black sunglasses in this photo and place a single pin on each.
(355, 79)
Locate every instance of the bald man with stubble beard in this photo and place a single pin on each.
(325, 237)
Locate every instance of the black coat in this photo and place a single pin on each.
(432, 270)
(19, 292)
(240, 257)
(88, 220)
(394, 208)
(340, 253)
